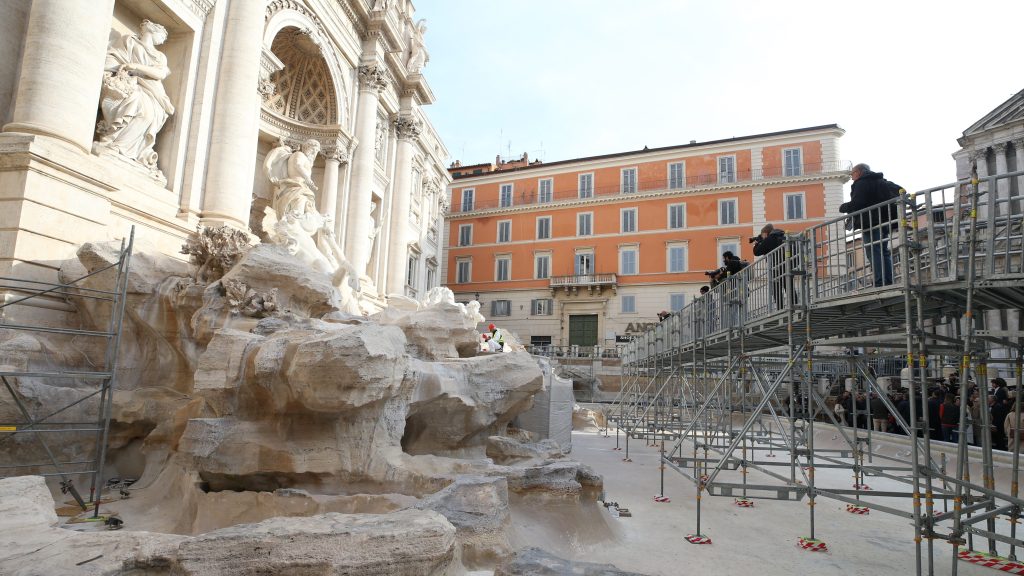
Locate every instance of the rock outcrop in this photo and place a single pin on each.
(537, 562)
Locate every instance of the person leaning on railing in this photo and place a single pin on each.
(871, 189)
(770, 239)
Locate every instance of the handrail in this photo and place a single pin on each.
(828, 261)
(583, 280)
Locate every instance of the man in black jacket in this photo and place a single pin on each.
(770, 239)
(869, 190)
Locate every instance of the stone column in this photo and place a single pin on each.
(329, 188)
(62, 70)
(408, 130)
(1002, 185)
(372, 81)
(1018, 146)
(231, 164)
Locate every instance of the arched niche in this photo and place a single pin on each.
(303, 89)
(291, 28)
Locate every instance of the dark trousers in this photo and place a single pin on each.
(876, 250)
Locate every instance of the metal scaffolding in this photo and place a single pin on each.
(62, 405)
(894, 297)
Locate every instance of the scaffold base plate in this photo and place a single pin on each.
(662, 499)
(698, 539)
(812, 545)
(855, 509)
(744, 502)
(995, 562)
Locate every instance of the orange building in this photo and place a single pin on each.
(588, 251)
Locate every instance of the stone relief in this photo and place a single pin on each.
(133, 102)
(246, 301)
(295, 224)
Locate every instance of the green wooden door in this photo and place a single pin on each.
(583, 330)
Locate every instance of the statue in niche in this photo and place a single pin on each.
(296, 225)
(133, 103)
(417, 53)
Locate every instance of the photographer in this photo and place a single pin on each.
(732, 264)
(770, 239)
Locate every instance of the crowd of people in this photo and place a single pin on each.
(942, 407)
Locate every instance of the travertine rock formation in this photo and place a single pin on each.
(537, 562)
(230, 410)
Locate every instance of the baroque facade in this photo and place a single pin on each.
(995, 145)
(161, 114)
(588, 251)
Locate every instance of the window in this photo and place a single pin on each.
(501, 307)
(628, 180)
(584, 263)
(792, 162)
(676, 301)
(540, 341)
(726, 169)
(677, 175)
(729, 245)
(502, 268)
(586, 188)
(504, 230)
(628, 304)
(543, 227)
(464, 271)
(431, 277)
(727, 211)
(505, 196)
(676, 216)
(583, 220)
(467, 200)
(410, 273)
(677, 256)
(541, 307)
(794, 206)
(628, 219)
(544, 194)
(465, 234)
(627, 261)
(542, 266)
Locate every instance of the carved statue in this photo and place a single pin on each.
(417, 52)
(132, 101)
(297, 225)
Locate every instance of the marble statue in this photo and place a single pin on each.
(417, 54)
(297, 226)
(133, 102)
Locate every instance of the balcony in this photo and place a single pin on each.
(690, 183)
(590, 282)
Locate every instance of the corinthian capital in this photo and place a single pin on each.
(1000, 148)
(980, 154)
(1018, 143)
(407, 127)
(373, 77)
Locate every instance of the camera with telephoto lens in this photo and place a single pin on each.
(713, 273)
(753, 239)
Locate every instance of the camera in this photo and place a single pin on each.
(713, 273)
(753, 239)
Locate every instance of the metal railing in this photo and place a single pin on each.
(697, 181)
(860, 255)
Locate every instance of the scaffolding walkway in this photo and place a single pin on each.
(56, 408)
(891, 299)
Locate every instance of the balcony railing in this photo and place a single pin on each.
(583, 280)
(698, 181)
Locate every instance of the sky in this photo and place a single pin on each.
(562, 79)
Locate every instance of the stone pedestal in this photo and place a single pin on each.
(61, 70)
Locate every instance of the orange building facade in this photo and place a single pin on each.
(588, 251)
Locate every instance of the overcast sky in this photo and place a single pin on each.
(562, 79)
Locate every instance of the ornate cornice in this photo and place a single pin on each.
(373, 77)
(357, 23)
(334, 141)
(201, 7)
(407, 127)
